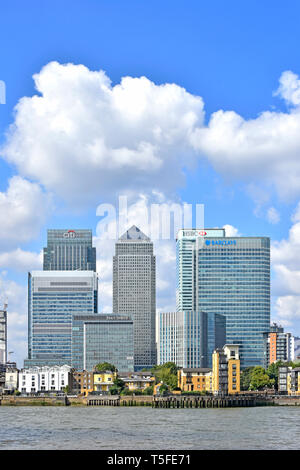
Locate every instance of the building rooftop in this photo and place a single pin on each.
(200, 370)
(134, 233)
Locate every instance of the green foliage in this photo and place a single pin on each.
(117, 387)
(246, 378)
(148, 390)
(119, 382)
(166, 373)
(260, 379)
(272, 370)
(105, 366)
(128, 392)
(163, 389)
(256, 378)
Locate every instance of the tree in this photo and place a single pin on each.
(272, 372)
(246, 378)
(166, 373)
(260, 379)
(118, 386)
(148, 390)
(105, 366)
(67, 389)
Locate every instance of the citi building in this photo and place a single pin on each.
(69, 250)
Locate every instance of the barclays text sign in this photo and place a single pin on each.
(220, 242)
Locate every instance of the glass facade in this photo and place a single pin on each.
(134, 292)
(3, 336)
(53, 297)
(69, 250)
(102, 338)
(229, 276)
(189, 338)
(109, 340)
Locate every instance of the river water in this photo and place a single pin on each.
(146, 428)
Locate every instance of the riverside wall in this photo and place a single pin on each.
(179, 401)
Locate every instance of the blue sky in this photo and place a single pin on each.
(231, 54)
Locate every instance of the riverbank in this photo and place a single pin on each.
(154, 402)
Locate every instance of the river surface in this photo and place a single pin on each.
(146, 428)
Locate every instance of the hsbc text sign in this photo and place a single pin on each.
(201, 233)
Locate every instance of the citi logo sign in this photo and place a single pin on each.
(70, 234)
(2, 92)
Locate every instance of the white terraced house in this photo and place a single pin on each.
(44, 379)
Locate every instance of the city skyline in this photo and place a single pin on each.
(206, 110)
(216, 232)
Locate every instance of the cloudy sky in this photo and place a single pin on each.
(164, 102)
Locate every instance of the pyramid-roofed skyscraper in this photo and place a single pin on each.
(134, 291)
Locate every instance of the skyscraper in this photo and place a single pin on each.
(228, 276)
(69, 250)
(189, 338)
(68, 284)
(134, 284)
(3, 336)
(53, 297)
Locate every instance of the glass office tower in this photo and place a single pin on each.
(228, 276)
(53, 297)
(134, 292)
(189, 338)
(3, 336)
(102, 338)
(69, 250)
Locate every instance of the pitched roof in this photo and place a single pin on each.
(134, 233)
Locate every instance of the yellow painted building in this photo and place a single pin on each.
(224, 377)
(137, 380)
(293, 381)
(83, 382)
(103, 381)
(226, 370)
(195, 380)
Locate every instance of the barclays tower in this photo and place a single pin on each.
(228, 276)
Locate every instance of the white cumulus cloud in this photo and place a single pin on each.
(23, 210)
(81, 136)
(21, 260)
(273, 215)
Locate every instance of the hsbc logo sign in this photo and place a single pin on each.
(194, 233)
(70, 234)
